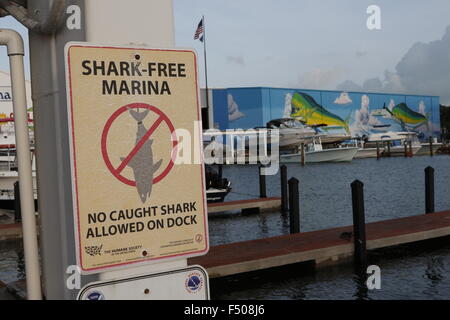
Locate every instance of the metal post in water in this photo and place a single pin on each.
(429, 190)
(294, 206)
(262, 183)
(359, 225)
(284, 189)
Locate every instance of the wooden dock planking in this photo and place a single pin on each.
(10, 231)
(264, 204)
(319, 246)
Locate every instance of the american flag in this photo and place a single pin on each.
(199, 31)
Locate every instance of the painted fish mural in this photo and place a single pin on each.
(307, 109)
(142, 162)
(406, 116)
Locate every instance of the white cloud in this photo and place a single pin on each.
(233, 109)
(363, 120)
(287, 106)
(320, 78)
(344, 98)
(423, 70)
(422, 108)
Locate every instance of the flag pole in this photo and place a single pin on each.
(206, 68)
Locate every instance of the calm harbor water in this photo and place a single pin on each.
(392, 187)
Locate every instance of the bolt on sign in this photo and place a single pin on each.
(133, 204)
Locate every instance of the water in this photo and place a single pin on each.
(392, 187)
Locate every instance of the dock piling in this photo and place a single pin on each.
(284, 189)
(294, 206)
(429, 190)
(302, 151)
(431, 146)
(220, 171)
(262, 183)
(17, 207)
(378, 151)
(359, 225)
(410, 148)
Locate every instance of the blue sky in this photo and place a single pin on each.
(292, 43)
(309, 44)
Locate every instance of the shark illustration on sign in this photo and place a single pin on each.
(142, 162)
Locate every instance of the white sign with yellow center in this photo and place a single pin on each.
(133, 202)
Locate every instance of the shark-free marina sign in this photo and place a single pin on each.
(133, 203)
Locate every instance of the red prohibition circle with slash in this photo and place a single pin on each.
(162, 118)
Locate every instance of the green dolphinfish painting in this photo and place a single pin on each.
(305, 108)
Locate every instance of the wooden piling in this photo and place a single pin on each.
(302, 152)
(378, 151)
(359, 225)
(284, 189)
(17, 208)
(429, 190)
(262, 183)
(406, 148)
(294, 206)
(220, 171)
(388, 148)
(431, 146)
(410, 148)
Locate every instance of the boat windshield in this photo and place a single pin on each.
(285, 123)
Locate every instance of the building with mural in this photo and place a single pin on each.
(358, 113)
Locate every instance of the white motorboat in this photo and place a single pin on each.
(425, 150)
(394, 142)
(331, 134)
(315, 153)
(9, 175)
(364, 153)
(291, 132)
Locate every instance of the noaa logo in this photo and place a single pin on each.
(194, 282)
(95, 295)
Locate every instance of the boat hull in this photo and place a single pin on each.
(366, 153)
(425, 148)
(326, 155)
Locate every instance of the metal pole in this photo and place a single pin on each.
(359, 224)
(294, 206)
(14, 42)
(284, 189)
(429, 190)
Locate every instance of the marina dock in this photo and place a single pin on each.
(13, 231)
(321, 247)
(261, 204)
